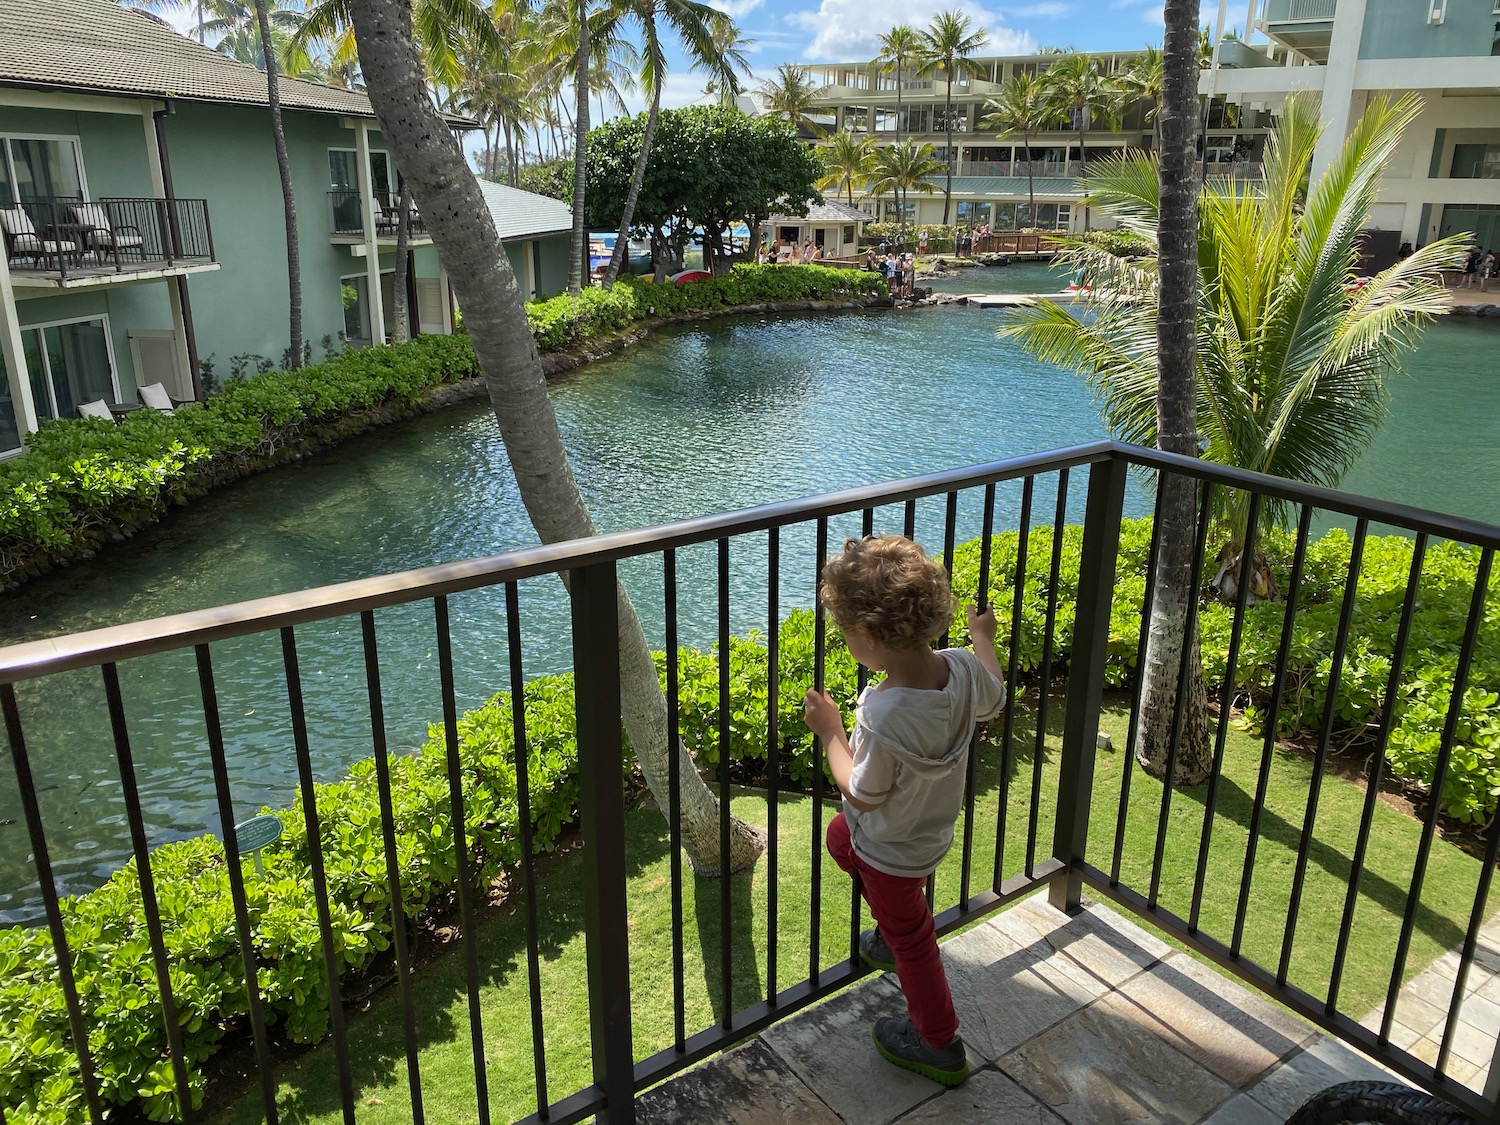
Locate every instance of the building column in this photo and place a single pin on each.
(15, 355)
(1338, 83)
(367, 220)
(445, 295)
(185, 358)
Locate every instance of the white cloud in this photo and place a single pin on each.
(736, 9)
(1039, 11)
(842, 30)
(1154, 15)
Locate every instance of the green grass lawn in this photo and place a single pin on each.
(309, 1090)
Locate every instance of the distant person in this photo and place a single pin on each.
(902, 772)
(1489, 270)
(1471, 269)
(1403, 253)
(884, 247)
(922, 242)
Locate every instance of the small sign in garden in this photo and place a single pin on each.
(256, 833)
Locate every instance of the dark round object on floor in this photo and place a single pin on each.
(1376, 1103)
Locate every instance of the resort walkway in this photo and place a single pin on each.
(1069, 1021)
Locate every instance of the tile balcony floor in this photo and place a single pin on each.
(1087, 1020)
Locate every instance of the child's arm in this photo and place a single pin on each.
(826, 721)
(982, 629)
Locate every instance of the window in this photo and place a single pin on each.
(1005, 216)
(856, 119)
(1476, 162)
(972, 214)
(10, 421)
(34, 168)
(69, 363)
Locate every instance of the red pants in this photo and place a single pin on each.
(905, 920)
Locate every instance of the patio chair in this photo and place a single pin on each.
(22, 240)
(99, 236)
(154, 395)
(96, 409)
(1376, 1103)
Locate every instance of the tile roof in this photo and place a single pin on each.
(831, 211)
(524, 214)
(96, 46)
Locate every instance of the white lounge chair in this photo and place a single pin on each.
(99, 236)
(96, 409)
(22, 240)
(154, 395)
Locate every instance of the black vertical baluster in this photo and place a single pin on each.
(1466, 955)
(1439, 777)
(909, 522)
(1023, 543)
(862, 675)
(1226, 700)
(674, 796)
(149, 905)
(820, 656)
(1127, 767)
(1320, 759)
(950, 541)
(315, 863)
(461, 853)
(1377, 768)
(392, 864)
(215, 731)
(528, 847)
(726, 712)
(1179, 702)
(981, 603)
(1273, 713)
(48, 885)
(1045, 684)
(773, 745)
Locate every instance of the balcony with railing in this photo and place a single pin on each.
(73, 243)
(1306, 26)
(346, 212)
(1049, 808)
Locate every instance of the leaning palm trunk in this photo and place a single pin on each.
(578, 256)
(400, 307)
(288, 200)
(617, 259)
(496, 322)
(1171, 634)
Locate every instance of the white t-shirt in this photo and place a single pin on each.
(911, 747)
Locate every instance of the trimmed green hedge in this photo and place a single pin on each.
(79, 476)
(106, 930)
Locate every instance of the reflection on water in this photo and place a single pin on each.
(694, 420)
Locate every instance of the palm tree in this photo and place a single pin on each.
(288, 200)
(791, 95)
(1022, 107)
(848, 159)
(235, 28)
(1077, 90)
(901, 168)
(1144, 78)
(730, 50)
(694, 24)
(1287, 363)
(899, 47)
(948, 43)
(496, 321)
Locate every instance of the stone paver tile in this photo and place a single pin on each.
(1326, 1063)
(988, 1098)
(750, 1085)
(1490, 989)
(1482, 1013)
(1101, 941)
(1434, 984)
(1096, 1068)
(1214, 1020)
(1006, 994)
(1416, 1012)
(1470, 1042)
(829, 1048)
(1242, 1109)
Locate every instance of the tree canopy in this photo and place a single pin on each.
(710, 166)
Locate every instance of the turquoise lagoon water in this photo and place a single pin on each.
(697, 419)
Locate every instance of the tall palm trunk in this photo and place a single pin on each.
(1174, 592)
(1083, 162)
(512, 173)
(496, 321)
(1030, 184)
(400, 307)
(578, 257)
(948, 121)
(288, 200)
(622, 248)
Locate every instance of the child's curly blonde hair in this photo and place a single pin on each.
(888, 588)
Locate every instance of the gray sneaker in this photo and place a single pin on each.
(899, 1042)
(874, 952)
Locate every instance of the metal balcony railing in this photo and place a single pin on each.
(72, 237)
(786, 540)
(346, 210)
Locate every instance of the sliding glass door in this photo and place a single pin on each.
(69, 364)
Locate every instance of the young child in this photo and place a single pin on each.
(902, 772)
